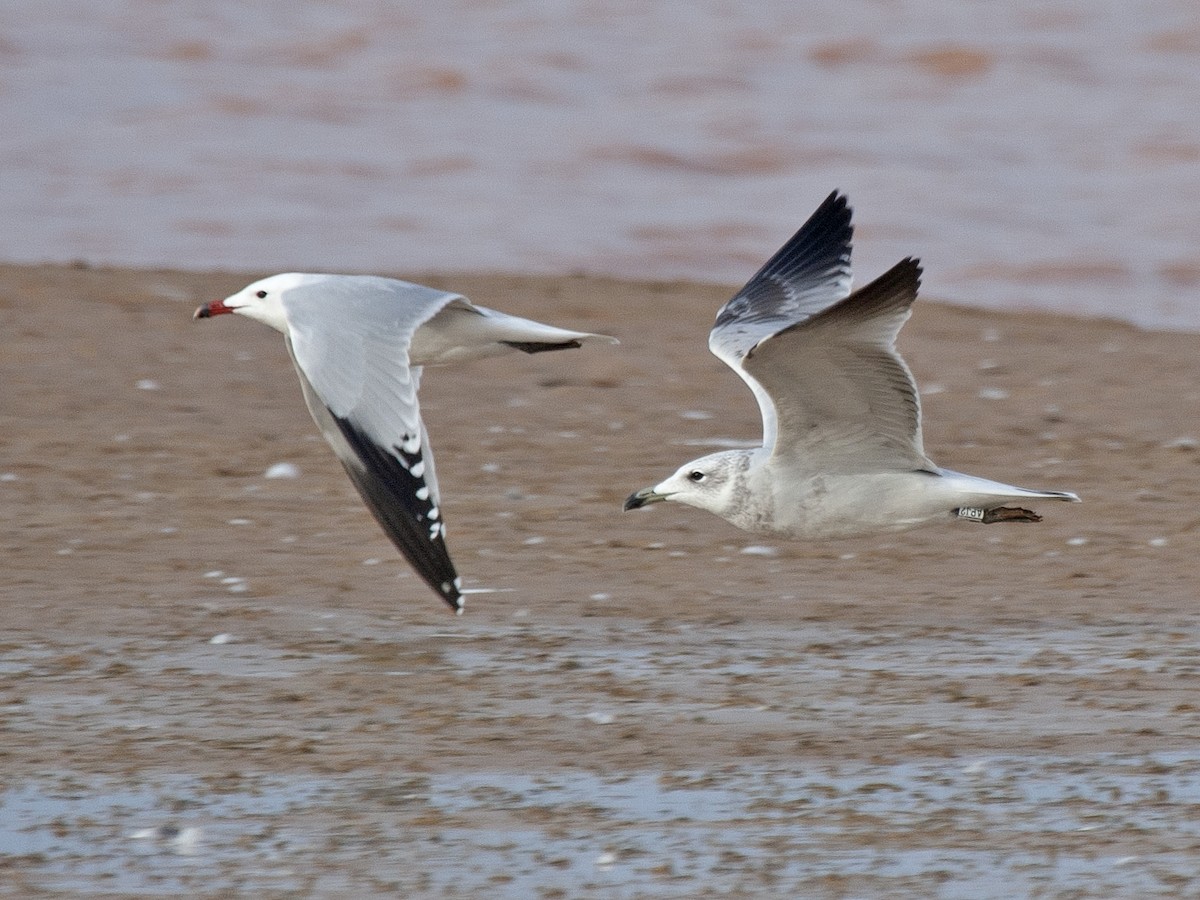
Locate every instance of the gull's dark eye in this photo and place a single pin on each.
(696, 475)
(261, 295)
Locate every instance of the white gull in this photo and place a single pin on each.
(358, 343)
(842, 452)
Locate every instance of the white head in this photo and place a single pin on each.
(261, 301)
(710, 483)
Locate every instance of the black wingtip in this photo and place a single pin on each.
(822, 241)
(452, 593)
(819, 249)
(835, 201)
(400, 501)
(908, 271)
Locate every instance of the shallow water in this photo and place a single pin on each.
(926, 813)
(972, 828)
(1033, 155)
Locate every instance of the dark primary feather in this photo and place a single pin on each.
(389, 489)
(541, 346)
(816, 256)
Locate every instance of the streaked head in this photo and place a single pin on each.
(708, 483)
(260, 301)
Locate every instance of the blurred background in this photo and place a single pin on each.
(215, 682)
(1033, 154)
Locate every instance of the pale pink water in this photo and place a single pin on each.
(1033, 154)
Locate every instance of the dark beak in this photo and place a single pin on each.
(641, 498)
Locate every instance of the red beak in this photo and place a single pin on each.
(208, 310)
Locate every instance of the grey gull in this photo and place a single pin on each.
(842, 452)
(358, 343)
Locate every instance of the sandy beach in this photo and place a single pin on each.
(216, 683)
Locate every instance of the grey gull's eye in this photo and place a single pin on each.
(696, 475)
(261, 295)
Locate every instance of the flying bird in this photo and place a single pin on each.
(842, 452)
(359, 343)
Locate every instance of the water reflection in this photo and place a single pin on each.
(1032, 156)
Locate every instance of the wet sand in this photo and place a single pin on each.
(216, 683)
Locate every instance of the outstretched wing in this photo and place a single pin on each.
(352, 357)
(810, 273)
(843, 398)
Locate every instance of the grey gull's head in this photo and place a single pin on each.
(710, 483)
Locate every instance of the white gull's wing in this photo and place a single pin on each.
(844, 399)
(349, 341)
(810, 273)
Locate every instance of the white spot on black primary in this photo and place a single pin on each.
(391, 483)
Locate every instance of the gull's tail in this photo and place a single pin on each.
(530, 336)
(462, 331)
(970, 491)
